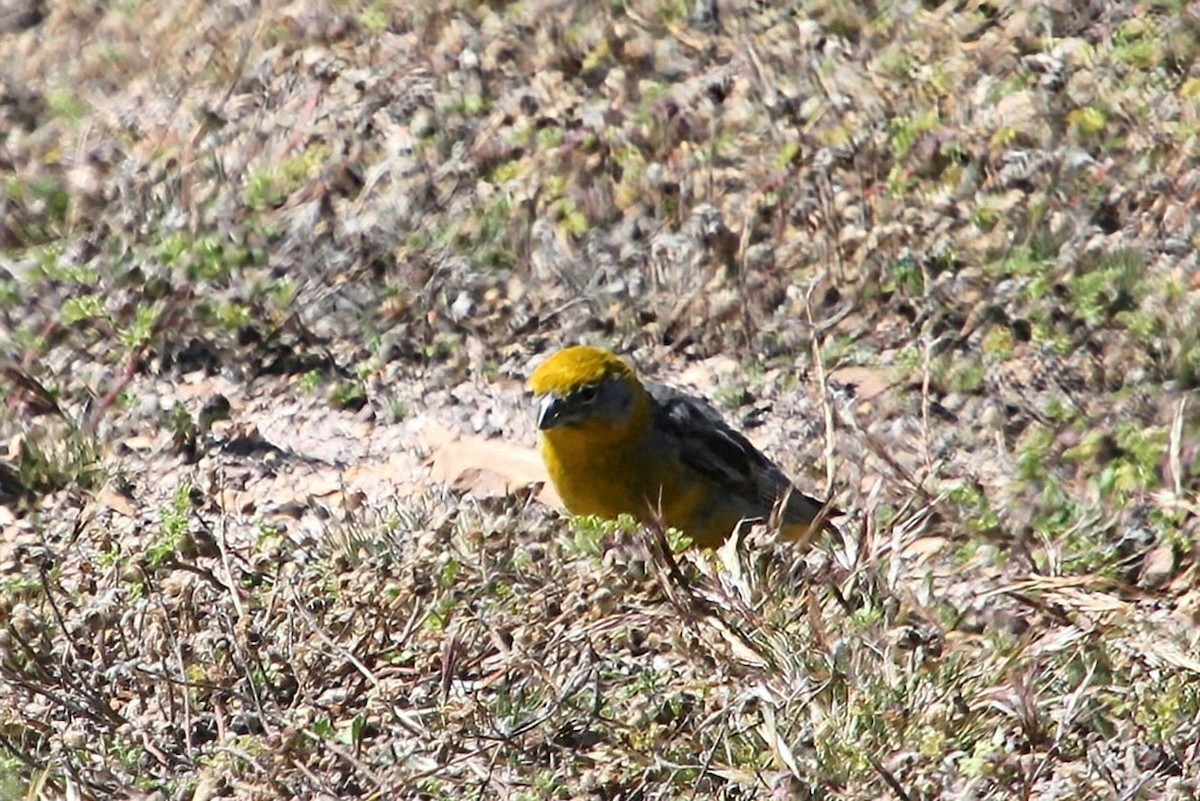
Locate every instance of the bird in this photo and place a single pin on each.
(614, 445)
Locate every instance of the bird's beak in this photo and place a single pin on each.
(550, 408)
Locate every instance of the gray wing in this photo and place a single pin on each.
(710, 447)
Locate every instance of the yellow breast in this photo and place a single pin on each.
(595, 477)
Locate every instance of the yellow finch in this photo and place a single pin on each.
(613, 444)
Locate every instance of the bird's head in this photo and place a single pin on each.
(582, 387)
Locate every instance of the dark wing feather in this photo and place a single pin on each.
(710, 447)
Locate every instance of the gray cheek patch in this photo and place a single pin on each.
(626, 402)
(616, 402)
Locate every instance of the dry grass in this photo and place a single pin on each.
(938, 258)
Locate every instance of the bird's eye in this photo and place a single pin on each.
(586, 394)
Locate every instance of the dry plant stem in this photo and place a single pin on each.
(226, 565)
(44, 399)
(1175, 444)
(128, 373)
(830, 215)
(826, 405)
(403, 718)
(890, 780)
(667, 571)
(316, 780)
(236, 637)
(346, 756)
(181, 682)
(100, 706)
(926, 372)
